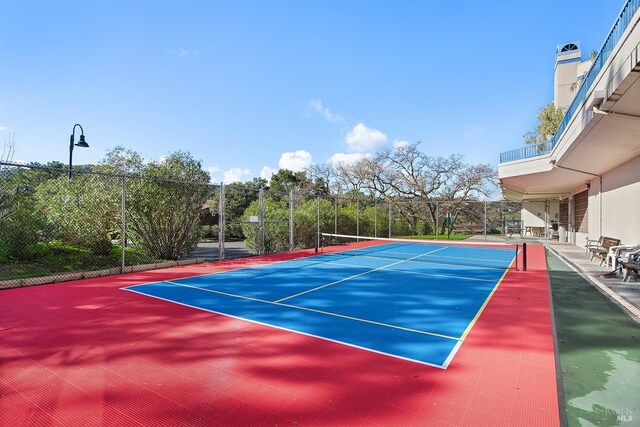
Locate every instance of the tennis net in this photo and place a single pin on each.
(473, 254)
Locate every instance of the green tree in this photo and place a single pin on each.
(549, 119)
(276, 228)
(285, 180)
(122, 160)
(84, 211)
(163, 205)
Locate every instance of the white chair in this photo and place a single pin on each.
(631, 267)
(592, 244)
(617, 253)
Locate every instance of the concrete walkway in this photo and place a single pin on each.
(624, 294)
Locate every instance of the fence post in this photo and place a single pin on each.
(291, 245)
(123, 225)
(390, 219)
(375, 215)
(318, 223)
(335, 215)
(437, 218)
(485, 220)
(358, 216)
(221, 223)
(261, 222)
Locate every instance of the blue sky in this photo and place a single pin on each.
(251, 86)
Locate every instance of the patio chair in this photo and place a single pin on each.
(631, 267)
(590, 244)
(620, 253)
(602, 250)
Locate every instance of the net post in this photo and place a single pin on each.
(524, 257)
(317, 242)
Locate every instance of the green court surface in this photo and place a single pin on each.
(599, 347)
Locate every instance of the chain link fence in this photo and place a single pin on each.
(55, 228)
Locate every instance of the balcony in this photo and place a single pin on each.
(620, 26)
(599, 131)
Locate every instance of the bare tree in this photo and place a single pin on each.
(413, 181)
(8, 149)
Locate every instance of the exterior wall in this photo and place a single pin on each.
(565, 76)
(533, 213)
(619, 214)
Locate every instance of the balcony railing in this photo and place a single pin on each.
(619, 27)
(526, 152)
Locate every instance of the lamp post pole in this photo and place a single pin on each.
(82, 143)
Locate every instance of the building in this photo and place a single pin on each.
(586, 179)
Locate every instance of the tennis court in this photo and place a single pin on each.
(404, 299)
(353, 335)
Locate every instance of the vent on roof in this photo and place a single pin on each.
(569, 47)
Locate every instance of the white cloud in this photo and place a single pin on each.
(347, 159)
(235, 175)
(213, 170)
(162, 159)
(397, 143)
(183, 53)
(266, 172)
(316, 106)
(3, 128)
(363, 139)
(295, 161)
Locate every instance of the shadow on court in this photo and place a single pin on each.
(89, 353)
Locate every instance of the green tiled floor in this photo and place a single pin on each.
(599, 349)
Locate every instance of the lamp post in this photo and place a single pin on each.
(82, 143)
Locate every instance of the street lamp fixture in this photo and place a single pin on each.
(82, 143)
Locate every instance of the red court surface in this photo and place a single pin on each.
(87, 353)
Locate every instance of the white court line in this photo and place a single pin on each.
(373, 322)
(354, 276)
(444, 366)
(436, 260)
(423, 273)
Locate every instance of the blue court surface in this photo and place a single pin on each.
(385, 298)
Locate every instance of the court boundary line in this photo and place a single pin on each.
(486, 302)
(354, 276)
(287, 329)
(313, 310)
